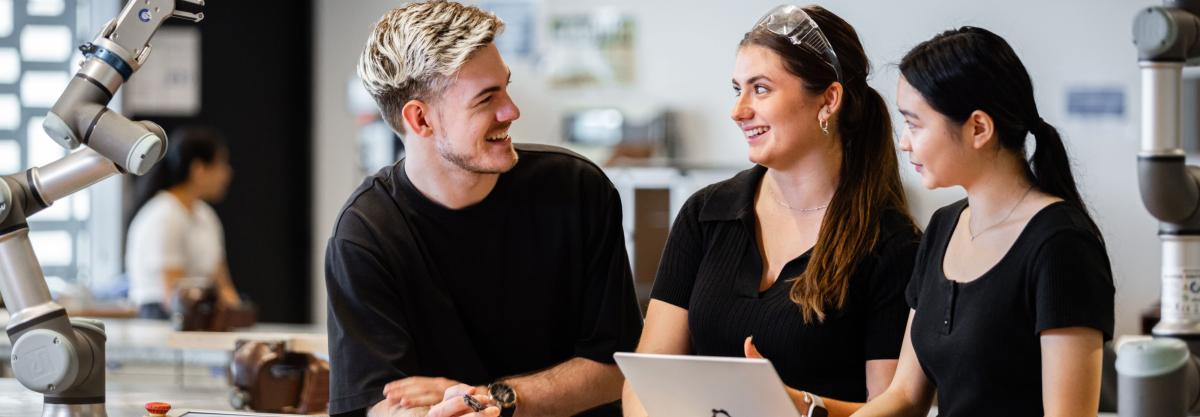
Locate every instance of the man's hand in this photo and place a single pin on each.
(453, 404)
(417, 391)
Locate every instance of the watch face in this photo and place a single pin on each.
(503, 394)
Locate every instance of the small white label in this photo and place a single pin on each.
(1181, 295)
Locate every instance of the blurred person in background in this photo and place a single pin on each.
(176, 237)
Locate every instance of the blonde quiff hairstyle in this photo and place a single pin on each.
(415, 49)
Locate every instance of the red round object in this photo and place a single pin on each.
(158, 408)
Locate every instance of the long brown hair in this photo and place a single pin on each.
(869, 181)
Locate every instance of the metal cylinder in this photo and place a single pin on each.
(86, 393)
(46, 361)
(1169, 190)
(1180, 286)
(67, 122)
(6, 200)
(131, 145)
(1154, 32)
(19, 269)
(72, 173)
(24, 289)
(1154, 378)
(1161, 84)
(84, 88)
(103, 74)
(74, 410)
(162, 135)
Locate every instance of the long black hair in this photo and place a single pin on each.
(185, 145)
(963, 70)
(869, 181)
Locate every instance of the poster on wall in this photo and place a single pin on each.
(590, 49)
(520, 21)
(168, 84)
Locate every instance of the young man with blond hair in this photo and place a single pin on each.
(459, 270)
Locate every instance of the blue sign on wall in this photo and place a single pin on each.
(1096, 101)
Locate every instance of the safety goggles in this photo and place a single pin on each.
(793, 23)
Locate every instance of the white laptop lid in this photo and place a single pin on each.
(706, 386)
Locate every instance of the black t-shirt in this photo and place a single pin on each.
(533, 275)
(979, 341)
(712, 267)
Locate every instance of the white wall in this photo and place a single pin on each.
(685, 54)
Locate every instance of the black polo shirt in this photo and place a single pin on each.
(712, 267)
(533, 275)
(979, 342)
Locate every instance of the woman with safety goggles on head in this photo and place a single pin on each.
(805, 256)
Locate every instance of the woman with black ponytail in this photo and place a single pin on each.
(176, 235)
(1012, 293)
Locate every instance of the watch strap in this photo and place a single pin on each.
(816, 406)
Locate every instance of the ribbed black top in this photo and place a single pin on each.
(712, 267)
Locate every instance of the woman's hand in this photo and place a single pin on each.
(796, 395)
(750, 350)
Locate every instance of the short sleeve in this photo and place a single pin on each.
(681, 257)
(610, 321)
(1073, 283)
(369, 341)
(912, 291)
(887, 314)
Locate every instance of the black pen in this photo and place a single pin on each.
(474, 404)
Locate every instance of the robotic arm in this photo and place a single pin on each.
(1161, 377)
(60, 357)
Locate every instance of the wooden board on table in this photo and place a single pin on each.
(298, 342)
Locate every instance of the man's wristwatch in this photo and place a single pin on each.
(816, 407)
(505, 397)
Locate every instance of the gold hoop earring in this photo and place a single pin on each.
(824, 126)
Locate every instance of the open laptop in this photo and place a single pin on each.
(706, 386)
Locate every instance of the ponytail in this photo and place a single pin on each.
(1051, 166)
(964, 70)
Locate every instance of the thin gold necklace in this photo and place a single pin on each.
(779, 201)
(1010, 212)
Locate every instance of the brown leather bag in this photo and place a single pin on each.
(314, 394)
(198, 309)
(268, 378)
